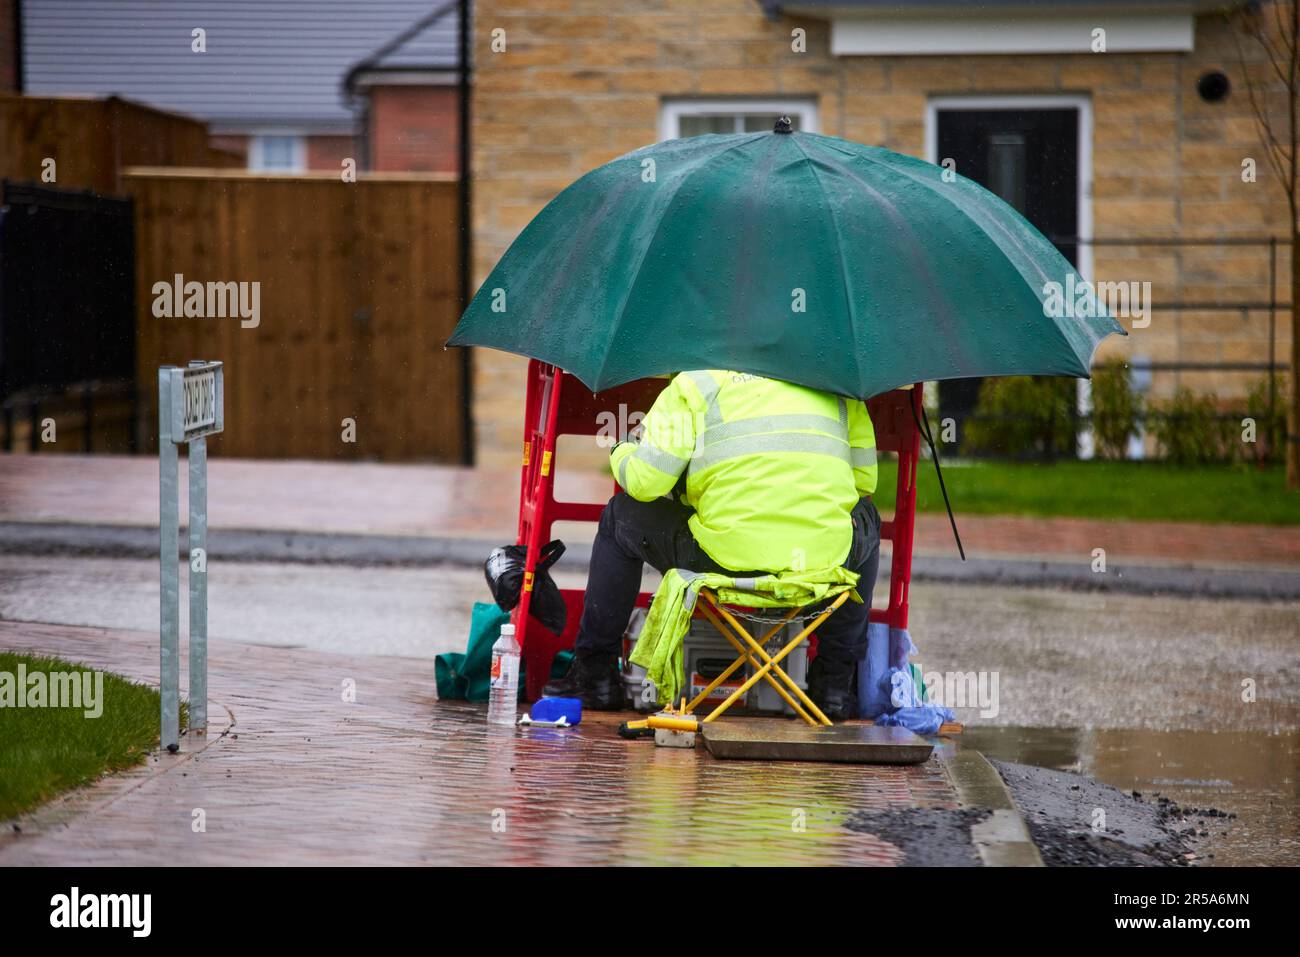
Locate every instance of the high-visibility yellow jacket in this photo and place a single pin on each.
(772, 469)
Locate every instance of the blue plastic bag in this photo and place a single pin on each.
(923, 719)
(887, 651)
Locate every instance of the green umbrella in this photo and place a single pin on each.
(807, 258)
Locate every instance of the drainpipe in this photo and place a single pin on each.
(466, 227)
(18, 46)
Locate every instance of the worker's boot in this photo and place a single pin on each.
(830, 685)
(593, 678)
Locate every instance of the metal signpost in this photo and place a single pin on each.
(190, 408)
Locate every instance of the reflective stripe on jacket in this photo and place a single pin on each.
(772, 469)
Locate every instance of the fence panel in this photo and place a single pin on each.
(91, 139)
(355, 292)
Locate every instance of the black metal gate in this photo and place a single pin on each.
(67, 316)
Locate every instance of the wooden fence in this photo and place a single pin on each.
(356, 292)
(92, 139)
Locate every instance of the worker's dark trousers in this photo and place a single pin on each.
(656, 534)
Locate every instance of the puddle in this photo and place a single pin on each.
(1252, 774)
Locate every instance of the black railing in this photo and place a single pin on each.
(1269, 302)
(104, 415)
(67, 316)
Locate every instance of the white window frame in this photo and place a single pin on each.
(671, 111)
(256, 161)
(1082, 103)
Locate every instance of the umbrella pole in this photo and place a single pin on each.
(923, 426)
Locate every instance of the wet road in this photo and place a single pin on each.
(1248, 773)
(1196, 699)
(1054, 658)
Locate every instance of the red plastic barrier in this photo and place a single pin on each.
(558, 404)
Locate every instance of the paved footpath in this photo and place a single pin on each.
(447, 502)
(292, 773)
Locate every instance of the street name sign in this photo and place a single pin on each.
(191, 406)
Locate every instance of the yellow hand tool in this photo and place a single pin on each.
(669, 719)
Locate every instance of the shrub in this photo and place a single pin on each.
(1270, 432)
(1189, 431)
(1023, 417)
(1116, 409)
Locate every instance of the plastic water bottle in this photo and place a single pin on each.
(503, 699)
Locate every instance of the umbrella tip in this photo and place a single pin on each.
(783, 125)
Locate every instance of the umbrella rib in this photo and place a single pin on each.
(645, 251)
(844, 270)
(962, 208)
(920, 269)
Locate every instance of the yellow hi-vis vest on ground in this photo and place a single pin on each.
(772, 469)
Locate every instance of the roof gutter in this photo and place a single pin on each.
(401, 76)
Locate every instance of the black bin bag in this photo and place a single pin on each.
(504, 570)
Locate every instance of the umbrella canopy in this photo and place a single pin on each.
(801, 257)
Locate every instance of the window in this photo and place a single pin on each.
(733, 115)
(277, 152)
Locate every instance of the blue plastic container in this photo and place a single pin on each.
(552, 709)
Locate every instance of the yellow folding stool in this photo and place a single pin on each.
(766, 667)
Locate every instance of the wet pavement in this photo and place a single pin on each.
(1144, 693)
(927, 837)
(293, 772)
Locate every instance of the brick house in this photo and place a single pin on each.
(292, 86)
(1145, 140)
(410, 98)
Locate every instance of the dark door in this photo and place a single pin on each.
(1030, 158)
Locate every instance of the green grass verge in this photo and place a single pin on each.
(1143, 491)
(46, 750)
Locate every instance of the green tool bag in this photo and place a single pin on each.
(467, 677)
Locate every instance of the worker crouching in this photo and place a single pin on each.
(745, 475)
